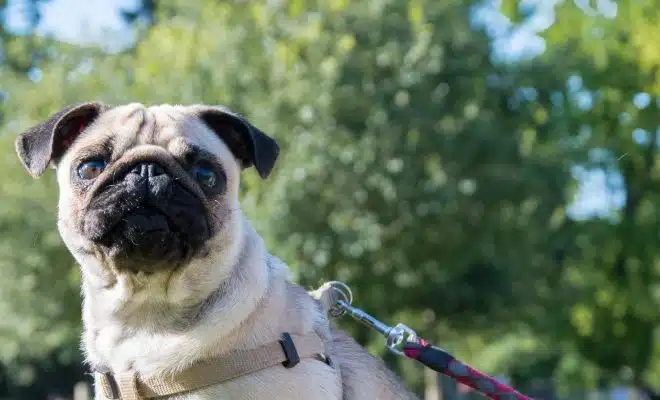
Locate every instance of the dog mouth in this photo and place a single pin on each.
(147, 239)
(147, 223)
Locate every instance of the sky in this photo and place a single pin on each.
(99, 22)
(78, 21)
(69, 19)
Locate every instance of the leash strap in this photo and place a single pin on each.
(288, 352)
(337, 297)
(441, 361)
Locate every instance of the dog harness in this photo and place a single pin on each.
(288, 352)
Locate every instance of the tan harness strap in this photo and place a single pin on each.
(288, 352)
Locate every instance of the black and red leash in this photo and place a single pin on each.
(403, 341)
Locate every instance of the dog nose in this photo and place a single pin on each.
(148, 169)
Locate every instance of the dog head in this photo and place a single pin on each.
(146, 190)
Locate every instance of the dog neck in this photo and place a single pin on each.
(203, 302)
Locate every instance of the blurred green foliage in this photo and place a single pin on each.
(432, 178)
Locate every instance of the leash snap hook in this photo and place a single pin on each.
(397, 338)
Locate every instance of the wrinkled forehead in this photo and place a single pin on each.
(173, 128)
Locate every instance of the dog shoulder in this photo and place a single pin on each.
(363, 375)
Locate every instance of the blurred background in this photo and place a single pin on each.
(486, 172)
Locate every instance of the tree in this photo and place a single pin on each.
(425, 171)
(612, 62)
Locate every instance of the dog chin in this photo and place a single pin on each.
(146, 240)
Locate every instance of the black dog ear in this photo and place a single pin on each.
(248, 144)
(45, 143)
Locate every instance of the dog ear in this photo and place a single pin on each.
(45, 143)
(248, 144)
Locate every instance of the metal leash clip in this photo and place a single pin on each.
(396, 336)
(403, 341)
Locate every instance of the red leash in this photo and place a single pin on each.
(443, 362)
(402, 340)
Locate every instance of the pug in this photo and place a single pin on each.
(181, 300)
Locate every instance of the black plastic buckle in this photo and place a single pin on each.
(112, 386)
(289, 348)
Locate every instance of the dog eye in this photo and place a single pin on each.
(91, 169)
(205, 175)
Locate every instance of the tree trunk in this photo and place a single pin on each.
(81, 391)
(432, 385)
(648, 392)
